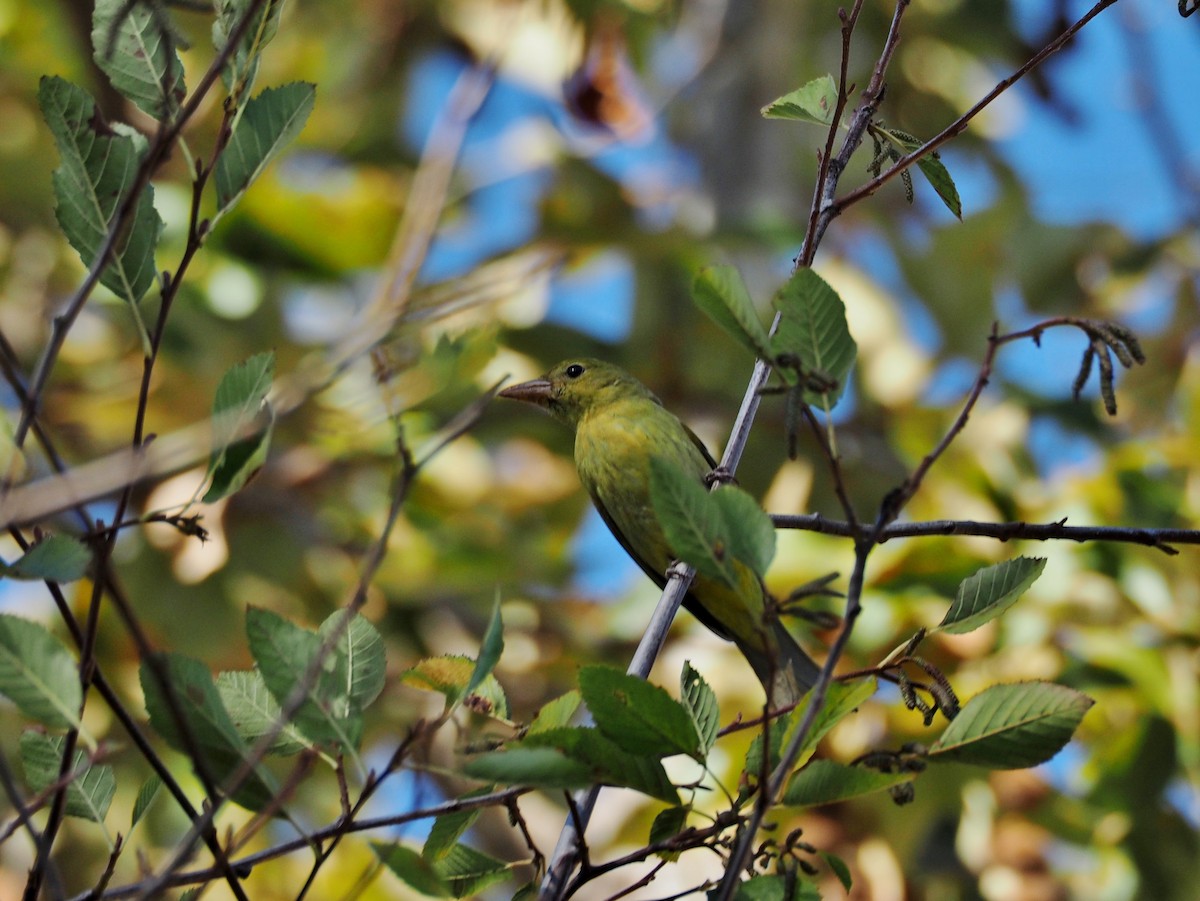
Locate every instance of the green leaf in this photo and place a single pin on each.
(450, 675)
(56, 558)
(989, 592)
(448, 828)
(606, 762)
(99, 167)
(756, 768)
(284, 653)
(639, 717)
(748, 530)
(557, 713)
(720, 293)
(537, 767)
(692, 522)
(268, 123)
(841, 700)
(931, 167)
(774, 888)
(145, 797)
(701, 704)
(840, 869)
(1013, 726)
(239, 462)
(254, 711)
(813, 333)
(466, 872)
(242, 68)
(712, 531)
(91, 789)
(221, 750)
(134, 46)
(412, 868)
(490, 650)
(459, 873)
(240, 396)
(666, 825)
(362, 661)
(241, 399)
(827, 782)
(813, 102)
(38, 673)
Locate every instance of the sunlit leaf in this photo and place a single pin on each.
(557, 713)
(812, 102)
(1013, 726)
(450, 675)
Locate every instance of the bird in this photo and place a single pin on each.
(620, 426)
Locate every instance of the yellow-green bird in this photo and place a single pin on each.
(619, 427)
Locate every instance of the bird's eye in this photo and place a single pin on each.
(574, 371)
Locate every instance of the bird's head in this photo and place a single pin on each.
(576, 386)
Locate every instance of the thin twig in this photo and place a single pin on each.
(959, 125)
(155, 153)
(245, 865)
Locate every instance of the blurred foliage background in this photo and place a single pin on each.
(620, 148)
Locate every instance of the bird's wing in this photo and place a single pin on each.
(712, 464)
(660, 578)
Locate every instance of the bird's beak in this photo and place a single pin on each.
(535, 392)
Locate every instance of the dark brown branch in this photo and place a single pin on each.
(1159, 539)
(824, 209)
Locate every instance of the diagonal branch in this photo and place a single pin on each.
(960, 124)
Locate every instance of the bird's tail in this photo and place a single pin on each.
(783, 668)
